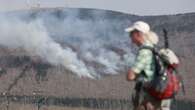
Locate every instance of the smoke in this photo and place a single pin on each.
(88, 46)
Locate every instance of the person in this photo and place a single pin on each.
(143, 69)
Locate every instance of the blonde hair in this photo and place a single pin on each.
(152, 37)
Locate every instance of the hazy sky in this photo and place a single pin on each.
(140, 7)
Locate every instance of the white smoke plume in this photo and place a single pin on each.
(88, 42)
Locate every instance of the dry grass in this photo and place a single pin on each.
(14, 106)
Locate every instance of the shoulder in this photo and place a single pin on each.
(144, 51)
(146, 48)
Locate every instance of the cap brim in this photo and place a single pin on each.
(130, 29)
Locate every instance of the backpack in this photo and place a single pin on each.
(166, 82)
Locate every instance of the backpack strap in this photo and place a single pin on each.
(156, 56)
(181, 81)
(153, 49)
(147, 47)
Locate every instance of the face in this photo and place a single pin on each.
(135, 37)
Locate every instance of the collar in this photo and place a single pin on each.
(147, 43)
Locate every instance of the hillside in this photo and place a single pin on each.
(24, 74)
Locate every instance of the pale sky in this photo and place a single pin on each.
(139, 7)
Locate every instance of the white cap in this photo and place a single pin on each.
(140, 26)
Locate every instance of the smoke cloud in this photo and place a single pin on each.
(91, 46)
